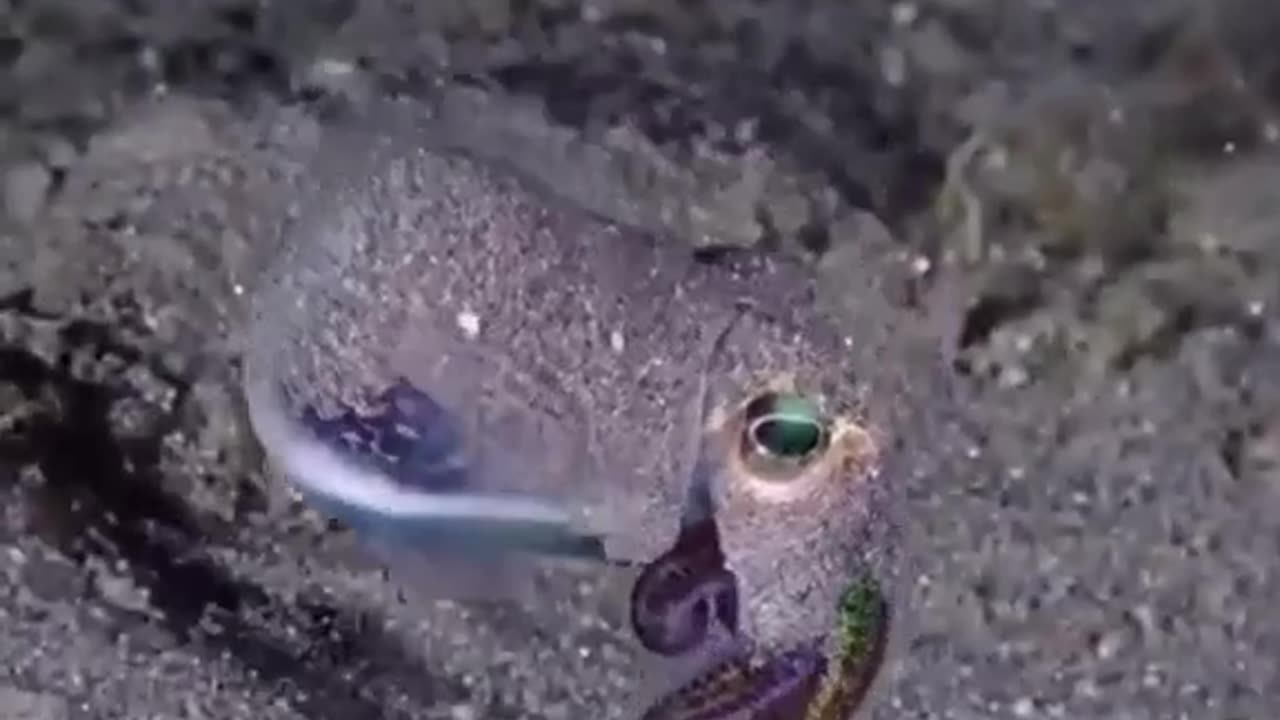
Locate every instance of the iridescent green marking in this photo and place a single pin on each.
(861, 635)
(861, 618)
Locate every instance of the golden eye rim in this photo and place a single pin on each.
(753, 446)
(850, 449)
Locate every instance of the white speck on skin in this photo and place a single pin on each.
(617, 341)
(469, 324)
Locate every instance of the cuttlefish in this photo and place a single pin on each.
(450, 354)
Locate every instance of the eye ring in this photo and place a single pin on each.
(783, 433)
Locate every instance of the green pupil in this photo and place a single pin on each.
(790, 428)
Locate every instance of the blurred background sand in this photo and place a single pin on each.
(1103, 176)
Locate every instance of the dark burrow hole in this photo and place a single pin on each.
(990, 312)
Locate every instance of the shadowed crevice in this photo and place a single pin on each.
(103, 497)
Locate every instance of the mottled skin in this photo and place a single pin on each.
(450, 354)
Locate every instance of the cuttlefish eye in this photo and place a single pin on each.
(782, 433)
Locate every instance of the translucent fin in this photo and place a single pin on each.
(380, 505)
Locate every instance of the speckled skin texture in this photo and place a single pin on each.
(588, 366)
(550, 404)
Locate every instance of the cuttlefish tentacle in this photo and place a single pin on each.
(672, 605)
(678, 595)
(740, 688)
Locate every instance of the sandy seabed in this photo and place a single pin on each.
(1103, 177)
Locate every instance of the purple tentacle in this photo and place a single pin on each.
(678, 595)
